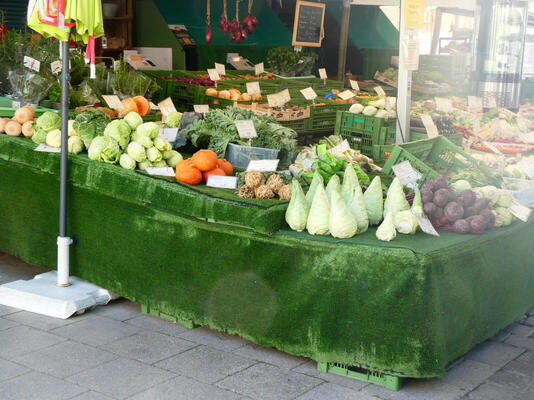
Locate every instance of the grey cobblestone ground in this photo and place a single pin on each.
(115, 352)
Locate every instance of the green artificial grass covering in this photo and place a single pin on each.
(408, 307)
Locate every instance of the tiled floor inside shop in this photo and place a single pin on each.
(116, 352)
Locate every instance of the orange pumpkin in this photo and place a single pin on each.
(204, 160)
(189, 175)
(184, 164)
(214, 171)
(128, 106)
(225, 166)
(142, 104)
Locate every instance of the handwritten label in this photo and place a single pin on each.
(169, 134)
(222, 182)
(160, 171)
(340, 149)
(475, 103)
(322, 73)
(346, 95)
(380, 91)
(354, 85)
(425, 225)
(430, 126)
(47, 149)
(56, 67)
(519, 211)
(406, 174)
(246, 129)
(32, 63)
(220, 68)
(253, 88)
(214, 75)
(201, 108)
(278, 99)
(309, 93)
(444, 105)
(112, 101)
(259, 69)
(492, 147)
(263, 165)
(166, 107)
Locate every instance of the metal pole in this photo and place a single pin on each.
(404, 89)
(63, 241)
(343, 40)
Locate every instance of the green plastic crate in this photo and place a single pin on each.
(438, 150)
(324, 117)
(455, 138)
(364, 374)
(364, 132)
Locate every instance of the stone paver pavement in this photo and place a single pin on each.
(115, 352)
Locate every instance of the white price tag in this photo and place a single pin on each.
(346, 95)
(430, 126)
(201, 108)
(492, 147)
(309, 93)
(263, 165)
(160, 171)
(259, 69)
(475, 103)
(444, 105)
(112, 101)
(380, 91)
(354, 85)
(166, 106)
(519, 211)
(220, 68)
(322, 73)
(492, 102)
(253, 88)
(222, 182)
(278, 99)
(153, 106)
(32, 63)
(214, 75)
(169, 134)
(47, 149)
(406, 174)
(425, 225)
(246, 129)
(340, 148)
(15, 104)
(56, 67)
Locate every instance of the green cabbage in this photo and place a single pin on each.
(319, 216)
(39, 135)
(75, 145)
(127, 162)
(342, 223)
(104, 149)
(395, 199)
(386, 231)
(358, 210)
(350, 181)
(172, 157)
(160, 164)
(317, 179)
(144, 141)
(119, 131)
(133, 119)
(49, 121)
(374, 201)
(297, 210)
(89, 124)
(150, 129)
(153, 155)
(53, 138)
(144, 165)
(161, 144)
(405, 222)
(173, 119)
(503, 217)
(136, 151)
(369, 111)
(334, 185)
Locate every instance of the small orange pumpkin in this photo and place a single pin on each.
(128, 106)
(142, 104)
(189, 175)
(225, 166)
(214, 171)
(204, 160)
(184, 164)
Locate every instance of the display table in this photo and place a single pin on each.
(407, 308)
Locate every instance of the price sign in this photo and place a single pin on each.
(246, 129)
(166, 107)
(201, 108)
(322, 73)
(47, 149)
(354, 85)
(32, 63)
(430, 126)
(278, 99)
(492, 147)
(406, 174)
(153, 106)
(214, 75)
(309, 93)
(169, 134)
(56, 67)
(346, 95)
(425, 224)
(253, 88)
(492, 102)
(475, 103)
(519, 211)
(220, 68)
(112, 101)
(340, 149)
(222, 182)
(444, 105)
(263, 165)
(259, 69)
(160, 171)
(380, 91)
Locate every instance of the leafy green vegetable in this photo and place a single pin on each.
(53, 138)
(75, 145)
(161, 144)
(333, 186)
(153, 155)
(127, 162)
(386, 231)
(118, 130)
(136, 151)
(395, 199)
(150, 129)
(133, 119)
(172, 157)
(89, 124)
(374, 201)
(319, 216)
(104, 149)
(49, 121)
(358, 210)
(173, 119)
(316, 181)
(297, 210)
(350, 181)
(342, 223)
(39, 135)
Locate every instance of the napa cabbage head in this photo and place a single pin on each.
(297, 210)
(334, 185)
(319, 215)
(358, 209)
(374, 201)
(316, 181)
(395, 199)
(350, 181)
(342, 224)
(386, 231)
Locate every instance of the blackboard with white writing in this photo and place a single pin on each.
(308, 27)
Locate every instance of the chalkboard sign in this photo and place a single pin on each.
(308, 26)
